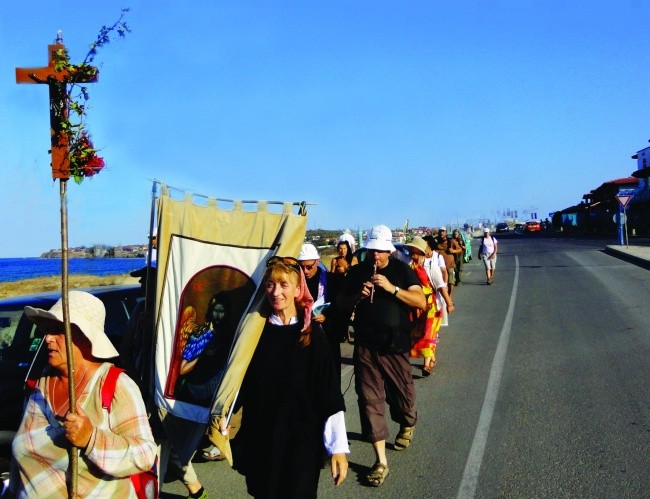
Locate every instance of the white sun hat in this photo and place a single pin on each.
(87, 312)
(380, 238)
(308, 252)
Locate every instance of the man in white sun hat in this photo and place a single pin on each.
(384, 290)
(315, 274)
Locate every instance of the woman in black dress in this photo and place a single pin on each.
(291, 396)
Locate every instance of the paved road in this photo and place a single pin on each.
(541, 388)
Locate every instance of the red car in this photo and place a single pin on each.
(533, 226)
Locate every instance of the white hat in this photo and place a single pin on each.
(380, 238)
(308, 252)
(349, 238)
(487, 229)
(87, 312)
(442, 228)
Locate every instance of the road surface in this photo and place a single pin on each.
(541, 389)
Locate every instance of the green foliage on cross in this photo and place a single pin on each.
(83, 158)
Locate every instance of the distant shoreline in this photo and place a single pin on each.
(53, 283)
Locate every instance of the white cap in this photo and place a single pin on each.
(380, 238)
(308, 252)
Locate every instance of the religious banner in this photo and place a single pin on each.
(210, 263)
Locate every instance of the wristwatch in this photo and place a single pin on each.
(396, 291)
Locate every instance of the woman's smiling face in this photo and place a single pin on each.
(281, 291)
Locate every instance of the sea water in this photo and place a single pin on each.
(17, 269)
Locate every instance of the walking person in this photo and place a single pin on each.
(114, 444)
(434, 259)
(487, 252)
(384, 291)
(448, 248)
(458, 257)
(319, 281)
(291, 396)
(424, 333)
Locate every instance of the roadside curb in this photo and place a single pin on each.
(622, 254)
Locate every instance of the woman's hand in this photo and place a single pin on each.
(224, 427)
(78, 428)
(339, 464)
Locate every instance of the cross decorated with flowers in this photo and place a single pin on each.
(57, 79)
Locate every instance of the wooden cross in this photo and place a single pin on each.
(57, 82)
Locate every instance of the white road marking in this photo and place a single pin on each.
(468, 484)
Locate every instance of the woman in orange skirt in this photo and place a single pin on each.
(427, 324)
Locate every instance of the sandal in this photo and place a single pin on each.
(213, 454)
(404, 437)
(377, 474)
(427, 368)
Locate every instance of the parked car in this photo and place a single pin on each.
(502, 227)
(533, 226)
(20, 341)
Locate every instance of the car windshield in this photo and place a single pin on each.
(16, 328)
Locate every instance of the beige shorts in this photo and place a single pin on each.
(490, 263)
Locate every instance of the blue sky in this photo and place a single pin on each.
(433, 111)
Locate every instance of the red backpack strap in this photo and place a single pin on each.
(108, 388)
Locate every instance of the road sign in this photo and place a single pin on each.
(624, 200)
(623, 218)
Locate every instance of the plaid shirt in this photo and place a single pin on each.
(121, 443)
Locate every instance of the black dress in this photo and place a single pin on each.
(287, 395)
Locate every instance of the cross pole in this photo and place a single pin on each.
(58, 81)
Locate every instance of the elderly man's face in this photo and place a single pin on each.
(309, 267)
(379, 257)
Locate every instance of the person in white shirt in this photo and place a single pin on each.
(488, 253)
(435, 259)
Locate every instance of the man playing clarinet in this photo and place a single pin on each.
(382, 291)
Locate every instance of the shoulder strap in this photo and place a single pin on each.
(108, 388)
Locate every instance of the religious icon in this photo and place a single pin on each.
(210, 309)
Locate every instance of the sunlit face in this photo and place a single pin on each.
(309, 267)
(55, 342)
(281, 291)
(379, 257)
(417, 256)
(342, 249)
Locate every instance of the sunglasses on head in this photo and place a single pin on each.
(286, 260)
